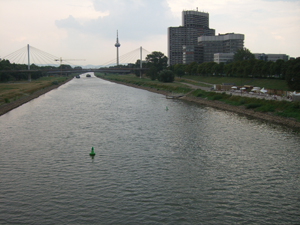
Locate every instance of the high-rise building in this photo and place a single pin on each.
(194, 41)
(195, 19)
(194, 25)
(223, 43)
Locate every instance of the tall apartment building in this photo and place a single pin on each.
(194, 25)
(223, 43)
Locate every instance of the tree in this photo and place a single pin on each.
(152, 72)
(156, 62)
(137, 65)
(277, 67)
(248, 68)
(208, 67)
(257, 68)
(266, 69)
(192, 68)
(236, 68)
(221, 68)
(201, 69)
(215, 69)
(166, 76)
(242, 54)
(179, 69)
(228, 69)
(293, 74)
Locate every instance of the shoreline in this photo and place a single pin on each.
(215, 104)
(292, 123)
(6, 107)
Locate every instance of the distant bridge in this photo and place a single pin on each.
(38, 57)
(105, 70)
(31, 55)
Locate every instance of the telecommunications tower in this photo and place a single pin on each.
(117, 45)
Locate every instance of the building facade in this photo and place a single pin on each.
(223, 57)
(223, 43)
(194, 25)
(192, 53)
(271, 57)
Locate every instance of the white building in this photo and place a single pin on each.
(223, 57)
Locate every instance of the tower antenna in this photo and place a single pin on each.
(117, 45)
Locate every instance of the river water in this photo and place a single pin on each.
(189, 164)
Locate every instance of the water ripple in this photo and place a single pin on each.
(188, 165)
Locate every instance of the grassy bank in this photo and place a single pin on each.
(146, 82)
(278, 108)
(271, 107)
(266, 83)
(14, 90)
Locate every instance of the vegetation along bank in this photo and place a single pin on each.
(14, 94)
(280, 112)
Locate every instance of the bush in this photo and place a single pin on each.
(166, 76)
(266, 108)
(296, 105)
(253, 105)
(242, 101)
(55, 82)
(6, 100)
(217, 97)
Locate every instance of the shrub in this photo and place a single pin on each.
(55, 82)
(166, 76)
(296, 105)
(266, 108)
(217, 97)
(242, 101)
(253, 105)
(6, 100)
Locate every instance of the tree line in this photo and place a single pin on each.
(13, 76)
(246, 68)
(243, 64)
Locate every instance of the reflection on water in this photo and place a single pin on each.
(187, 165)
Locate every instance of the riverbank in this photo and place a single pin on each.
(6, 107)
(290, 122)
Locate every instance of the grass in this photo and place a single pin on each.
(193, 82)
(14, 90)
(146, 82)
(266, 83)
(280, 108)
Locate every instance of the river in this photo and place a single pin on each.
(158, 161)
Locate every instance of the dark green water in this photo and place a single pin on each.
(186, 165)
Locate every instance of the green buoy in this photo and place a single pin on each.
(92, 153)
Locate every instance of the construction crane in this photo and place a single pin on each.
(61, 60)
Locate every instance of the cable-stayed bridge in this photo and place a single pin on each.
(29, 55)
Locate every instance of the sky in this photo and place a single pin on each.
(86, 29)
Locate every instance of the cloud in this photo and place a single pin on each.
(135, 19)
(87, 29)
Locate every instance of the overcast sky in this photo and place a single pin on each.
(86, 29)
